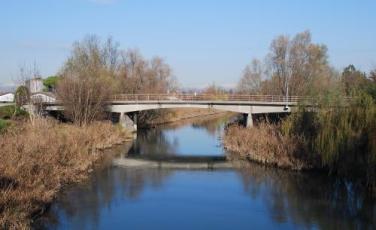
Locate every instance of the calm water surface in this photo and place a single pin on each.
(252, 198)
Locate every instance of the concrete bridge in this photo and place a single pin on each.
(124, 107)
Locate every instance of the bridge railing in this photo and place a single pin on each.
(207, 97)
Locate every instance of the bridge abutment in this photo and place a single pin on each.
(128, 121)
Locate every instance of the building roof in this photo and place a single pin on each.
(5, 93)
(49, 94)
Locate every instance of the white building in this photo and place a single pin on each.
(35, 85)
(6, 97)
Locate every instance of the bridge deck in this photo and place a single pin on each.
(206, 102)
(246, 104)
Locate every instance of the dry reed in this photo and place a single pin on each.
(265, 144)
(38, 159)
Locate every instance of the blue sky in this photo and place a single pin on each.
(204, 41)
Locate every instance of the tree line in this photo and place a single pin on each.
(95, 70)
(302, 67)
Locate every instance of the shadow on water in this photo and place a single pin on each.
(255, 196)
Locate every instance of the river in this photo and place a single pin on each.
(254, 197)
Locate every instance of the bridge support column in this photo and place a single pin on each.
(135, 120)
(128, 123)
(248, 120)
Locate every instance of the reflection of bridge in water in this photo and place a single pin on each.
(154, 149)
(175, 162)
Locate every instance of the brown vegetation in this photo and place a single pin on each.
(38, 159)
(86, 81)
(339, 135)
(138, 75)
(294, 63)
(266, 144)
(339, 139)
(96, 70)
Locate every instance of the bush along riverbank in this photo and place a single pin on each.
(339, 137)
(38, 158)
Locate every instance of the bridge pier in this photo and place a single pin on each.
(128, 121)
(248, 120)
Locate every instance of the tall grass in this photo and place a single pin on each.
(343, 136)
(265, 143)
(38, 159)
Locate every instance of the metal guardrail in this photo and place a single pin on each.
(207, 97)
(204, 97)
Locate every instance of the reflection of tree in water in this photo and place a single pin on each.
(213, 126)
(153, 141)
(106, 188)
(310, 200)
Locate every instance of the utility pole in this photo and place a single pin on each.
(287, 96)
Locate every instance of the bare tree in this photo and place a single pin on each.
(95, 70)
(295, 64)
(84, 98)
(279, 51)
(307, 63)
(23, 96)
(250, 83)
(87, 79)
(372, 75)
(139, 75)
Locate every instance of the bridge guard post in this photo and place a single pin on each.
(248, 120)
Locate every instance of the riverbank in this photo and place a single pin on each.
(38, 159)
(338, 140)
(265, 144)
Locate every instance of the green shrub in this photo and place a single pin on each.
(3, 125)
(50, 83)
(7, 112)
